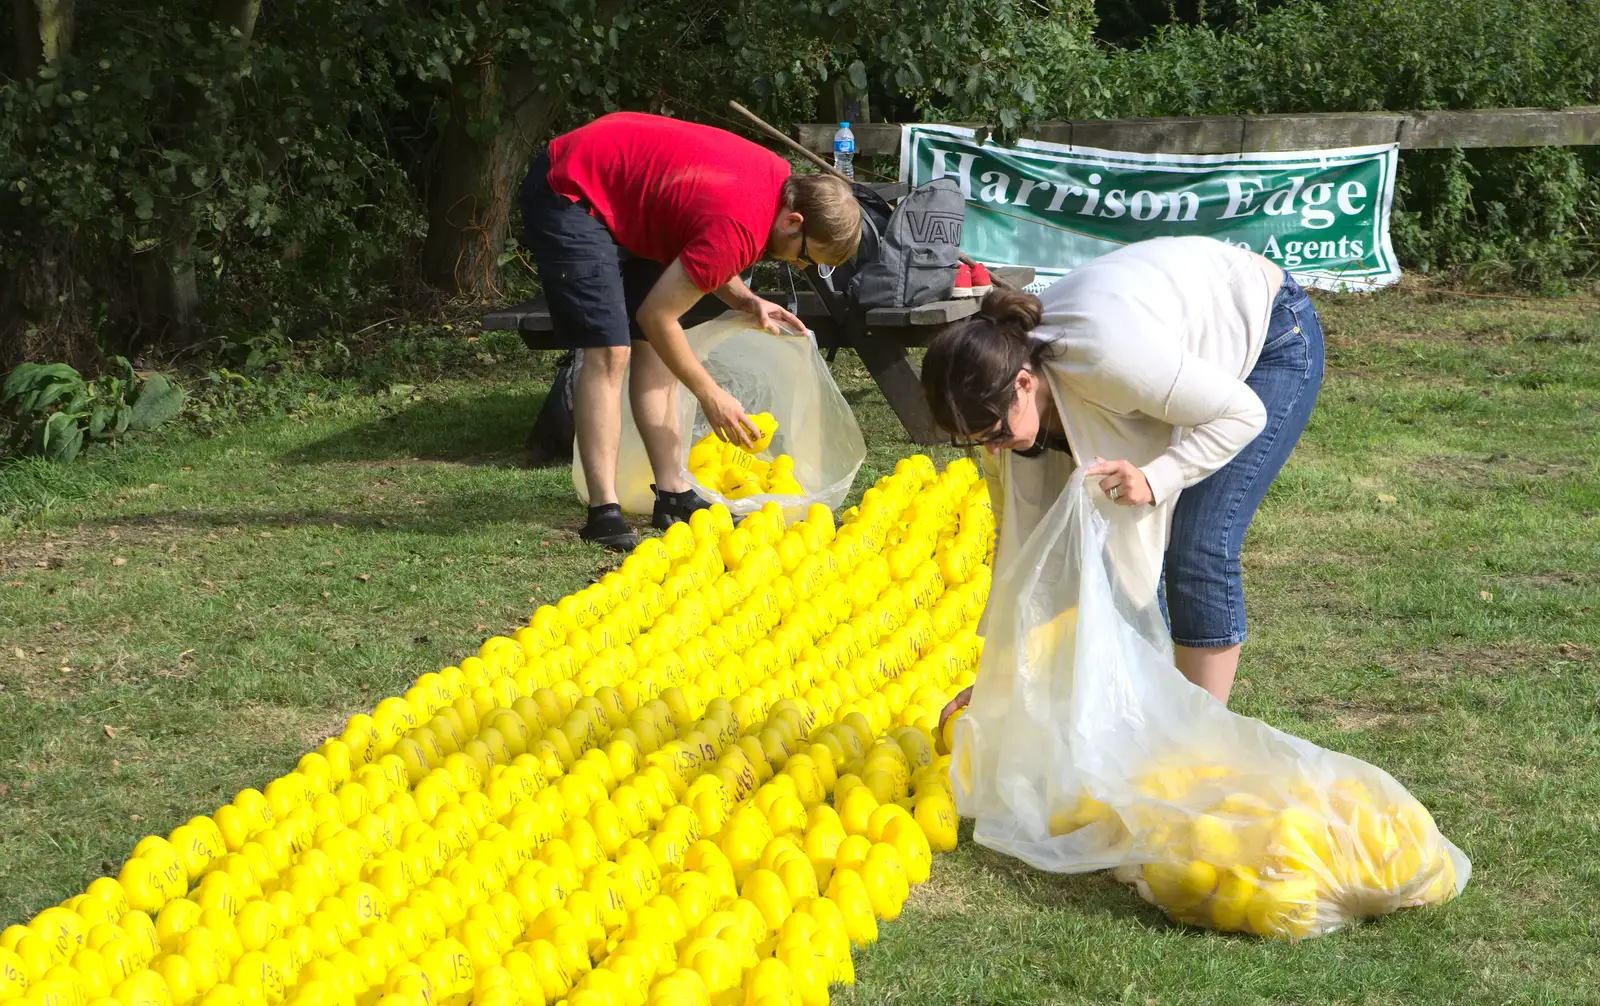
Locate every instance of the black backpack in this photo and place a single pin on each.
(549, 442)
(907, 256)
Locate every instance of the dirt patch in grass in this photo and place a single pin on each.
(30, 552)
(1441, 664)
(47, 663)
(45, 551)
(508, 458)
(1376, 714)
(1483, 471)
(1556, 580)
(1367, 718)
(1576, 652)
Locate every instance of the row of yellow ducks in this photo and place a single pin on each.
(698, 781)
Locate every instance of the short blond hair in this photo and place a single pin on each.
(832, 216)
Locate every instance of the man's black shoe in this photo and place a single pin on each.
(673, 508)
(607, 527)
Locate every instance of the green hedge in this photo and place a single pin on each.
(291, 165)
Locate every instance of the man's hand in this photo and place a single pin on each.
(1122, 482)
(767, 314)
(727, 418)
(775, 319)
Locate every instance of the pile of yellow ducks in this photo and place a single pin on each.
(698, 781)
(734, 472)
(1243, 854)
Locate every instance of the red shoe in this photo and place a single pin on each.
(981, 284)
(963, 282)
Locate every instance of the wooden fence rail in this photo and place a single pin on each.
(1228, 134)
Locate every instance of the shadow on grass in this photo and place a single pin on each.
(458, 513)
(1034, 890)
(484, 429)
(863, 395)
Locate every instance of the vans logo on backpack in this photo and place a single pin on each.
(935, 228)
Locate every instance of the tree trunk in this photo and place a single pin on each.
(469, 210)
(39, 316)
(168, 289)
(42, 33)
(469, 206)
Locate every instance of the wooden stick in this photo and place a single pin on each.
(786, 140)
(816, 159)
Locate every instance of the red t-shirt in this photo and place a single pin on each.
(668, 189)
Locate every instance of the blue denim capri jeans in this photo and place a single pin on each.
(1204, 594)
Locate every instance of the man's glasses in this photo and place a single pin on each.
(801, 257)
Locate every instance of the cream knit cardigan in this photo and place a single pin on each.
(1150, 347)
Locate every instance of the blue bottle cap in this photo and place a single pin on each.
(844, 125)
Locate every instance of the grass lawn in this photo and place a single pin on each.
(182, 617)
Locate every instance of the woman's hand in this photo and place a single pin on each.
(727, 418)
(1122, 482)
(954, 706)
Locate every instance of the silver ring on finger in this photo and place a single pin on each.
(1114, 492)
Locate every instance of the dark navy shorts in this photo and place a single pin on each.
(1204, 591)
(592, 286)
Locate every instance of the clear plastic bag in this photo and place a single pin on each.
(1084, 749)
(780, 374)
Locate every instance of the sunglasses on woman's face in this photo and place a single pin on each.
(1000, 434)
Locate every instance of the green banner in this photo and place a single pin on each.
(1323, 215)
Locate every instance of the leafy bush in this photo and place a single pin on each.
(249, 160)
(52, 408)
(200, 172)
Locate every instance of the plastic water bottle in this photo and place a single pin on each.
(844, 150)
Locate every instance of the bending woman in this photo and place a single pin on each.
(1182, 370)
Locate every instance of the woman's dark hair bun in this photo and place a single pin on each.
(1013, 307)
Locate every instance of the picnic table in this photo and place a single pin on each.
(880, 336)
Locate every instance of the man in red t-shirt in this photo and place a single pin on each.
(632, 219)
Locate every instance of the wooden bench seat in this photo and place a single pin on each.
(531, 317)
(880, 336)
